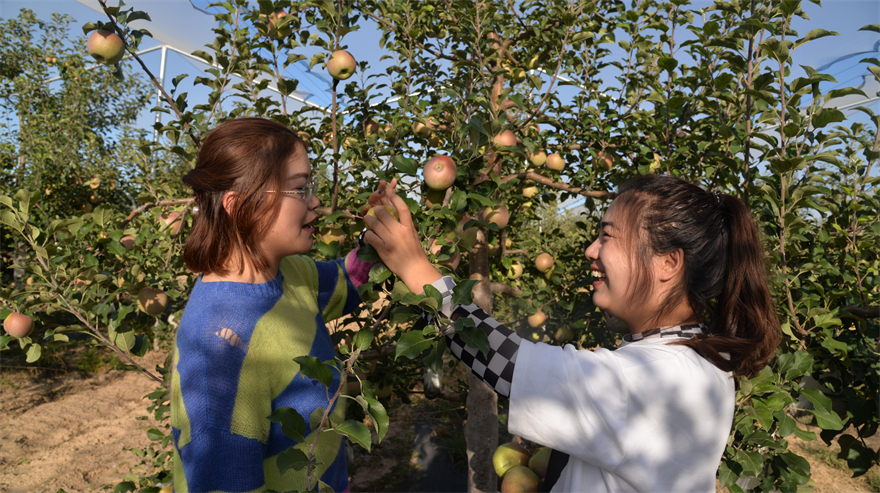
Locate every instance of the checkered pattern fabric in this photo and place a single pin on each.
(494, 368)
(679, 331)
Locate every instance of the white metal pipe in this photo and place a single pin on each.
(162, 63)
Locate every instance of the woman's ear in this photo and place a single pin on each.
(229, 202)
(669, 265)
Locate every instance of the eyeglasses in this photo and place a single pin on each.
(306, 192)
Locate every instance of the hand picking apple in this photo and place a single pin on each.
(698, 313)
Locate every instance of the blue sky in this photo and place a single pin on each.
(179, 21)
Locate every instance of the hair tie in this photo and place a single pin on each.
(719, 199)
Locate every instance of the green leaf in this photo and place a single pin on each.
(824, 116)
(796, 364)
(752, 462)
(9, 219)
(814, 34)
(411, 345)
(434, 294)
(405, 165)
(138, 15)
(124, 487)
(462, 293)
(33, 352)
(871, 27)
(858, 458)
(292, 458)
(356, 432)
(667, 63)
(472, 336)
(312, 367)
(6, 201)
(363, 338)
(292, 423)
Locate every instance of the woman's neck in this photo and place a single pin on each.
(248, 275)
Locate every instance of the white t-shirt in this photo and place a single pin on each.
(648, 416)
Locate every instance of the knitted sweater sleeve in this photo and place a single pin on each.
(496, 367)
(338, 283)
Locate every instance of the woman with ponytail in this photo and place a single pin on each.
(684, 269)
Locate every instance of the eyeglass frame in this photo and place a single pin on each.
(306, 192)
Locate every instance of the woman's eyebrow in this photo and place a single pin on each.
(297, 176)
(603, 224)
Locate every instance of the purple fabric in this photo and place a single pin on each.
(358, 270)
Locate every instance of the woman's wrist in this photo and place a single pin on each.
(418, 275)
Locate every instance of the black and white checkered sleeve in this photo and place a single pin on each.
(494, 368)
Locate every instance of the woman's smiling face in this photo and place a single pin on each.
(291, 232)
(611, 266)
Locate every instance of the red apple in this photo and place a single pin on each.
(505, 138)
(18, 325)
(507, 456)
(105, 47)
(174, 220)
(440, 172)
(127, 242)
(152, 301)
(537, 319)
(555, 162)
(499, 215)
(544, 262)
(449, 242)
(341, 65)
(603, 162)
(275, 25)
(520, 479)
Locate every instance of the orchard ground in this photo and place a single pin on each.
(65, 428)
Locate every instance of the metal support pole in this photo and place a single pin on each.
(162, 64)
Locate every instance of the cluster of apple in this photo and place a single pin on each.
(519, 470)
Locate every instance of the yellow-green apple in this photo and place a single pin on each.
(505, 138)
(435, 197)
(167, 489)
(86, 208)
(127, 242)
(538, 158)
(329, 234)
(468, 239)
(341, 65)
(424, 129)
(105, 47)
(539, 461)
(94, 199)
(371, 128)
(530, 192)
(275, 25)
(555, 162)
(152, 301)
(498, 215)
(383, 390)
(520, 479)
(563, 334)
(604, 161)
(95, 182)
(391, 210)
(517, 75)
(440, 172)
(515, 270)
(171, 222)
(538, 318)
(544, 262)
(509, 455)
(18, 325)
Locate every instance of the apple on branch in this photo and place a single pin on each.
(105, 47)
(341, 65)
(440, 172)
(544, 262)
(555, 162)
(152, 301)
(18, 325)
(507, 456)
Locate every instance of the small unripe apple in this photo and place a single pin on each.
(468, 239)
(384, 390)
(86, 208)
(516, 270)
(555, 162)
(505, 138)
(507, 456)
(105, 47)
(563, 334)
(95, 182)
(172, 218)
(539, 461)
(152, 301)
(499, 216)
(391, 210)
(435, 197)
(530, 192)
(537, 319)
(520, 479)
(544, 262)
(127, 242)
(603, 162)
(331, 234)
(18, 325)
(275, 27)
(440, 172)
(438, 245)
(424, 129)
(167, 489)
(538, 158)
(371, 128)
(341, 65)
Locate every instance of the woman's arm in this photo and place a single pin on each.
(399, 246)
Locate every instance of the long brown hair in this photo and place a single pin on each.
(247, 156)
(725, 271)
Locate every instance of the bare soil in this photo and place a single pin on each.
(73, 431)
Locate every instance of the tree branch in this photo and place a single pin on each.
(565, 187)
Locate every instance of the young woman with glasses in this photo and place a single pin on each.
(258, 303)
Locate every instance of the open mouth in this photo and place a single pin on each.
(598, 276)
(308, 227)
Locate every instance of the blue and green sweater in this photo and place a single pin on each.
(233, 367)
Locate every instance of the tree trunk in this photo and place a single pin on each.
(481, 430)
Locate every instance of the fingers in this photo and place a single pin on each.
(402, 210)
